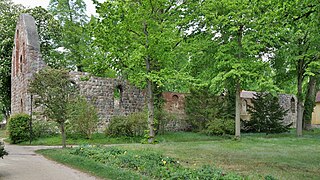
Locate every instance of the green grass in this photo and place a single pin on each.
(100, 138)
(283, 156)
(97, 138)
(87, 165)
(3, 133)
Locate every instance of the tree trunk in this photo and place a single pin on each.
(237, 118)
(309, 103)
(300, 99)
(238, 88)
(150, 113)
(63, 134)
(149, 89)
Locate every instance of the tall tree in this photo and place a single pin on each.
(140, 39)
(9, 13)
(236, 46)
(72, 16)
(298, 22)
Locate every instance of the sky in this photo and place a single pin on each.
(45, 3)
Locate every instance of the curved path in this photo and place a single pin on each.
(23, 163)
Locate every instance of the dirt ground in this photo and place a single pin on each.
(24, 164)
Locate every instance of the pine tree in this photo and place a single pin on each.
(266, 115)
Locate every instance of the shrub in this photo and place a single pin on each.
(18, 128)
(203, 106)
(266, 115)
(166, 121)
(220, 126)
(83, 117)
(3, 152)
(42, 128)
(131, 125)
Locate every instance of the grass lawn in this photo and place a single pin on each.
(283, 156)
(3, 133)
(100, 138)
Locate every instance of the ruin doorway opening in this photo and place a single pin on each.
(117, 99)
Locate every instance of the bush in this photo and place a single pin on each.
(18, 128)
(3, 152)
(220, 127)
(131, 125)
(203, 106)
(266, 115)
(166, 121)
(42, 128)
(82, 117)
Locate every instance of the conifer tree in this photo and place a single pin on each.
(266, 115)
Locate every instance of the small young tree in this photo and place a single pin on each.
(83, 117)
(52, 89)
(266, 115)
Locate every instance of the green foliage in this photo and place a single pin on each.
(142, 43)
(82, 116)
(203, 107)
(266, 115)
(18, 128)
(53, 90)
(3, 152)
(132, 125)
(42, 129)
(151, 164)
(50, 34)
(162, 119)
(270, 177)
(89, 166)
(220, 127)
(75, 39)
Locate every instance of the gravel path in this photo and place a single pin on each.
(23, 163)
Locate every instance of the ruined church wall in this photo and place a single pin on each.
(289, 103)
(26, 60)
(100, 92)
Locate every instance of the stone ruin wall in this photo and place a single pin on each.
(174, 103)
(289, 102)
(26, 60)
(100, 92)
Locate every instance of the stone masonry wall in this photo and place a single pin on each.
(101, 93)
(174, 103)
(26, 60)
(289, 102)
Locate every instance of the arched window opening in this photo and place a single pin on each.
(293, 105)
(20, 62)
(175, 103)
(21, 105)
(244, 106)
(117, 99)
(175, 98)
(16, 67)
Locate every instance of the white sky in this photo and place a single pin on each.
(45, 3)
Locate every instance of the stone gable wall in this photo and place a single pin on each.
(26, 60)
